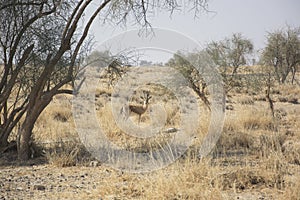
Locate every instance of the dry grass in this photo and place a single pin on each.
(66, 157)
(257, 155)
(115, 134)
(194, 179)
(248, 119)
(292, 192)
(56, 122)
(246, 100)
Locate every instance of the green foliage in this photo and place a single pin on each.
(185, 65)
(98, 58)
(283, 52)
(191, 67)
(229, 54)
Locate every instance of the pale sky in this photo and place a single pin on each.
(252, 18)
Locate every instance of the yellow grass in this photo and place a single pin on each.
(257, 155)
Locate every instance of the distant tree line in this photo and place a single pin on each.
(279, 60)
(280, 57)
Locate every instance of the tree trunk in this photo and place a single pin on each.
(24, 136)
(277, 74)
(5, 131)
(3, 138)
(25, 132)
(268, 96)
(293, 74)
(283, 78)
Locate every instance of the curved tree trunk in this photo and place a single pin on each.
(25, 132)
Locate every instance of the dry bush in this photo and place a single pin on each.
(287, 93)
(289, 99)
(292, 192)
(260, 97)
(246, 120)
(270, 143)
(55, 132)
(188, 180)
(267, 172)
(192, 179)
(63, 159)
(246, 100)
(253, 120)
(234, 141)
(55, 122)
(62, 114)
(252, 129)
(248, 178)
(287, 89)
(291, 150)
(67, 154)
(173, 115)
(282, 99)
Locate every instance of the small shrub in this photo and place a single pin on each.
(260, 98)
(248, 179)
(293, 100)
(67, 154)
(291, 151)
(62, 114)
(282, 99)
(254, 120)
(293, 192)
(234, 141)
(271, 143)
(246, 100)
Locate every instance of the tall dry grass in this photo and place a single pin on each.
(256, 153)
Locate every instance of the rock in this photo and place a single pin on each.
(171, 130)
(39, 187)
(94, 164)
(19, 188)
(229, 107)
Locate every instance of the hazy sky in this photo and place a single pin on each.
(252, 18)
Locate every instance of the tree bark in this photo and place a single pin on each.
(293, 74)
(23, 140)
(268, 97)
(3, 138)
(25, 132)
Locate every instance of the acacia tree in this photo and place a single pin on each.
(184, 63)
(229, 54)
(115, 65)
(283, 53)
(17, 49)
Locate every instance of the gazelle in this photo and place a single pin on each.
(141, 109)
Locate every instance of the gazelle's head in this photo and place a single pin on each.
(146, 98)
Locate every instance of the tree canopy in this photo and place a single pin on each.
(283, 53)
